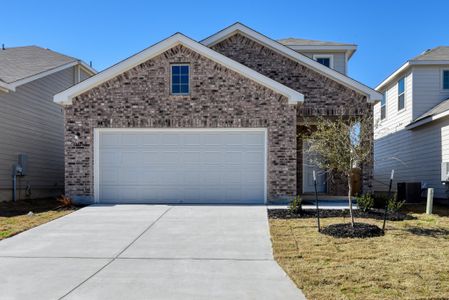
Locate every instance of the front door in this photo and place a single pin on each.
(307, 169)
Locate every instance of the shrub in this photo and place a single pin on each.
(295, 206)
(65, 201)
(394, 205)
(365, 202)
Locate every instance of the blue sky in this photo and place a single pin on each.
(387, 32)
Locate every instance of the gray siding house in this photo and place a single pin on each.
(30, 122)
(412, 131)
(215, 121)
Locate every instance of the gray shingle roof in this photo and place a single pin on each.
(21, 62)
(305, 42)
(438, 53)
(440, 108)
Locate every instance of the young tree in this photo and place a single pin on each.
(342, 144)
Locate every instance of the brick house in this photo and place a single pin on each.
(215, 121)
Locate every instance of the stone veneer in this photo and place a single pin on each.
(323, 96)
(140, 98)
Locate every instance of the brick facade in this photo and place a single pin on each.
(140, 98)
(323, 96)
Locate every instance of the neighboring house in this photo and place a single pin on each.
(412, 132)
(215, 121)
(30, 122)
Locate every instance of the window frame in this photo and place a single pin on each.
(442, 79)
(171, 79)
(330, 56)
(401, 94)
(383, 107)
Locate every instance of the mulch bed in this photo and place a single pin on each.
(377, 214)
(345, 230)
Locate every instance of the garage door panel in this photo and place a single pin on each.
(181, 166)
(110, 139)
(131, 158)
(254, 156)
(191, 139)
(254, 139)
(151, 139)
(191, 157)
(171, 139)
(131, 139)
(109, 158)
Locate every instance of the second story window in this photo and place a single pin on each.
(446, 79)
(401, 94)
(180, 79)
(326, 60)
(383, 106)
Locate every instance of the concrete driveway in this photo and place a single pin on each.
(146, 252)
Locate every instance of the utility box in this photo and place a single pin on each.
(445, 171)
(409, 191)
(22, 162)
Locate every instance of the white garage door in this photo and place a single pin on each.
(180, 166)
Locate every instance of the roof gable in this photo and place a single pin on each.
(371, 94)
(66, 96)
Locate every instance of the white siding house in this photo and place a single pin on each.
(30, 122)
(414, 141)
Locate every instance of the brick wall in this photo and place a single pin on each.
(140, 98)
(323, 96)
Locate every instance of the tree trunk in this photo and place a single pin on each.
(350, 200)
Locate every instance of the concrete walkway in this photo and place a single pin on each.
(146, 252)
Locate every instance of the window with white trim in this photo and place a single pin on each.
(401, 93)
(383, 106)
(326, 60)
(445, 79)
(180, 79)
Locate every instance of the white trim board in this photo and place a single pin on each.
(372, 95)
(65, 97)
(96, 157)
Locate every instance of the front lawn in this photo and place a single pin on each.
(14, 216)
(411, 261)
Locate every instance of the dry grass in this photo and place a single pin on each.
(14, 216)
(411, 261)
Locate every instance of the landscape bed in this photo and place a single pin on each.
(15, 217)
(410, 261)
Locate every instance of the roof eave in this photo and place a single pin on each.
(390, 78)
(6, 88)
(427, 120)
(88, 69)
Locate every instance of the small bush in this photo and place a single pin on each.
(394, 205)
(65, 201)
(295, 206)
(365, 202)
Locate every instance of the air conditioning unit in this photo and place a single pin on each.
(444, 172)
